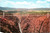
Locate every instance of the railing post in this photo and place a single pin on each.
(3, 14)
(47, 15)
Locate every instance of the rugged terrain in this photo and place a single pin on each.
(29, 24)
(35, 24)
(9, 24)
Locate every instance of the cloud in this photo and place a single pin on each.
(0, 0)
(25, 4)
(41, 1)
(11, 2)
(42, 4)
(48, 0)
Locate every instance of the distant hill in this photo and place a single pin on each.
(6, 8)
(41, 9)
(23, 9)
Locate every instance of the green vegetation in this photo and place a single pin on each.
(1, 12)
(11, 12)
(36, 12)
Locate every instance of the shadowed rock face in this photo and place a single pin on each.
(9, 24)
(35, 24)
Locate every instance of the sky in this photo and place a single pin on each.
(25, 3)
